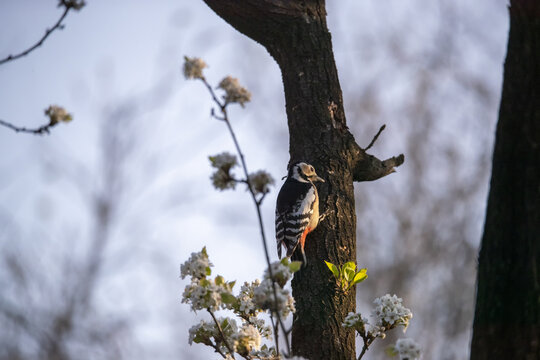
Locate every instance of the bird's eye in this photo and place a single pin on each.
(311, 169)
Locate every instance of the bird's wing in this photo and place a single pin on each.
(292, 220)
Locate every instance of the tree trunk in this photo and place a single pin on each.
(507, 316)
(296, 35)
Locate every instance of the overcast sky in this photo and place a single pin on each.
(129, 53)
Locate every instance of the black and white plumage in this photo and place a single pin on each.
(297, 210)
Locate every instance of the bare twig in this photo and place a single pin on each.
(225, 118)
(276, 332)
(364, 349)
(259, 202)
(375, 137)
(38, 131)
(221, 334)
(48, 32)
(368, 340)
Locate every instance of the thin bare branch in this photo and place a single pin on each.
(276, 332)
(375, 137)
(56, 26)
(367, 342)
(364, 349)
(44, 129)
(225, 118)
(221, 334)
(259, 202)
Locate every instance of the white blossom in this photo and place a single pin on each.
(197, 266)
(265, 353)
(355, 321)
(200, 298)
(281, 273)
(201, 333)
(247, 339)
(207, 294)
(260, 324)
(260, 182)
(225, 161)
(222, 178)
(57, 114)
(407, 349)
(377, 331)
(246, 306)
(193, 68)
(389, 312)
(205, 332)
(234, 92)
(264, 298)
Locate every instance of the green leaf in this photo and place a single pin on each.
(350, 265)
(204, 251)
(294, 266)
(220, 280)
(231, 284)
(197, 339)
(359, 277)
(208, 271)
(285, 261)
(228, 298)
(333, 268)
(349, 274)
(224, 323)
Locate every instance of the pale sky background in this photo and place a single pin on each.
(116, 51)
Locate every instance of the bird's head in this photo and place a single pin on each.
(303, 172)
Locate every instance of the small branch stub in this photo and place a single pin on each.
(368, 168)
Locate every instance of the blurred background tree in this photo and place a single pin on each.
(508, 299)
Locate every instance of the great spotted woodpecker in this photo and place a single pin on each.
(297, 210)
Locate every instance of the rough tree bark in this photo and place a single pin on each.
(296, 35)
(507, 317)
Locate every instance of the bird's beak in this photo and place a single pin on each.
(317, 178)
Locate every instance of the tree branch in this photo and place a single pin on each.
(257, 202)
(48, 32)
(367, 342)
(369, 168)
(254, 17)
(221, 334)
(44, 129)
